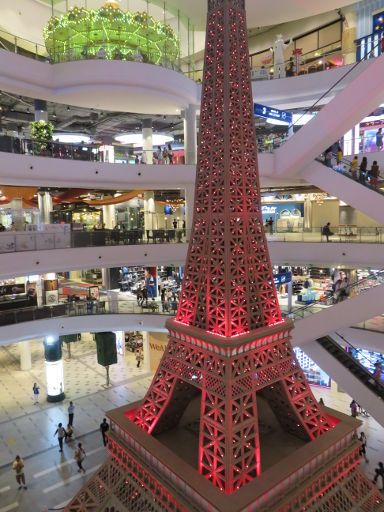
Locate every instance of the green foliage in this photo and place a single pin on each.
(41, 134)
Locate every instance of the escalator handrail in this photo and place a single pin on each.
(376, 386)
(352, 347)
(348, 71)
(347, 163)
(321, 302)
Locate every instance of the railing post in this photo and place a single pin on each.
(15, 42)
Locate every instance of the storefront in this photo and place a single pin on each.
(286, 216)
(314, 374)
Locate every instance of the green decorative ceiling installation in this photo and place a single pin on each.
(110, 33)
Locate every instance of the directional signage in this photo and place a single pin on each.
(272, 113)
(284, 278)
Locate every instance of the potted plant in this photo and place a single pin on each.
(41, 134)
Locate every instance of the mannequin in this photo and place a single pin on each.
(278, 56)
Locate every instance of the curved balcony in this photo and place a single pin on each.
(92, 316)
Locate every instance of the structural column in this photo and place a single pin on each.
(109, 215)
(147, 141)
(150, 221)
(25, 355)
(41, 111)
(45, 206)
(190, 135)
(50, 289)
(146, 352)
(54, 370)
(17, 214)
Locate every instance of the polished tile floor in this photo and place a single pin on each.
(26, 428)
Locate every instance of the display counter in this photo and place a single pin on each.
(15, 302)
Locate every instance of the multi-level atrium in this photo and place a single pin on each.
(100, 119)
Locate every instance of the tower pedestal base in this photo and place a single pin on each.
(145, 475)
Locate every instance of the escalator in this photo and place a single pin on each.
(351, 363)
(365, 199)
(360, 97)
(349, 374)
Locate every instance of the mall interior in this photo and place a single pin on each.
(99, 130)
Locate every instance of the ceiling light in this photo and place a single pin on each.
(136, 139)
(71, 138)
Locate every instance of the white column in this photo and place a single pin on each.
(190, 135)
(106, 278)
(109, 211)
(25, 355)
(149, 211)
(147, 141)
(44, 200)
(308, 213)
(189, 202)
(17, 214)
(147, 352)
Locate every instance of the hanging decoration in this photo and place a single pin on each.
(110, 33)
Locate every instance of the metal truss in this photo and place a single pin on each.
(339, 488)
(228, 342)
(122, 484)
(228, 286)
(229, 451)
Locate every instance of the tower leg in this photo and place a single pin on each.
(229, 449)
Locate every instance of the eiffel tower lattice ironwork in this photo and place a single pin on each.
(228, 341)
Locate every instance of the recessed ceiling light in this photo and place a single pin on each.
(72, 138)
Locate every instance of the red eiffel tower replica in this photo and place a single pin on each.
(229, 423)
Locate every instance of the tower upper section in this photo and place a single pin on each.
(228, 286)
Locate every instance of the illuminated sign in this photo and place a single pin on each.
(284, 278)
(272, 113)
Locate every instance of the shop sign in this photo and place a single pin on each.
(268, 210)
(282, 210)
(12, 289)
(272, 113)
(283, 278)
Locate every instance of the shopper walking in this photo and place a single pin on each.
(326, 231)
(363, 441)
(379, 472)
(104, 427)
(36, 392)
(139, 356)
(79, 457)
(353, 407)
(18, 468)
(71, 413)
(61, 434)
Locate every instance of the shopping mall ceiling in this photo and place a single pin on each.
(26, 18)
(263, 12)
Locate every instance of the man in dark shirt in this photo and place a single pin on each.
(104, 427)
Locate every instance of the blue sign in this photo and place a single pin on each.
(282, 210)
(272, 113)
(284, 278)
